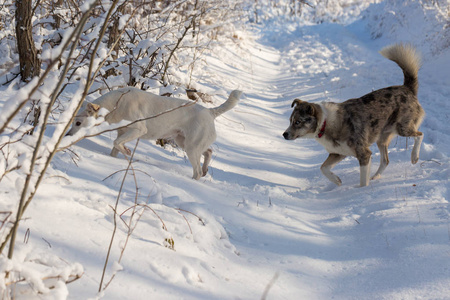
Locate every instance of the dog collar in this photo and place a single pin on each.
(322, 130)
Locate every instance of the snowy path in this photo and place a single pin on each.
(268, 212)
(351, 240)
(390, 239)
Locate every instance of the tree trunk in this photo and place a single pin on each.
(56, 17)
(30, 65)
(114, 33)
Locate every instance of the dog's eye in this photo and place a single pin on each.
(297, 123)
(78, 123)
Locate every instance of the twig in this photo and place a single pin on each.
(8, 214)
(186, 211)
(124, 170)
(100, 288)
(27, 236)
(23, 204)
(71, 279)
(186, 29)
(430, 160)
(187, 222)
(269, 286)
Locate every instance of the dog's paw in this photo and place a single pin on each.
(414, 159)
(332, 177)
(375, 177)
(336, 180)
(127, 151)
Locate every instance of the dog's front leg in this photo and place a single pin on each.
(126, 135)
(332, 160)
(114, 152)
(365, 174)
(364, 158)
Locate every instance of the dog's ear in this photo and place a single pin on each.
(296, 102)
(311, 110)
(92, 109)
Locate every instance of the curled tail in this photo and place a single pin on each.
(227, 105)
(408, 59)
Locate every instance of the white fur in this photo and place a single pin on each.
(190, 125)
(342, 149)
(326, 170)
(416, 149)
(329, 114)
(365, 174)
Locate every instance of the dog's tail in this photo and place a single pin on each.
(227, 105)
(408, 59)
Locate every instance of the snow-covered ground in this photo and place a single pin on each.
(264, 223)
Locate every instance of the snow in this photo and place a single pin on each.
(264, 220)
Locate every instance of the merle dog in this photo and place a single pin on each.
(349, 128)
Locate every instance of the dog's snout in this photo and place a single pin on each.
(286, 135)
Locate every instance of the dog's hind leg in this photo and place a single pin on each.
(418, 137)
(193, 156)
(206, 159)
(409, 131)
(383, 144)
(332, 160)
(416, 149)
(194, 159)
(179, 140)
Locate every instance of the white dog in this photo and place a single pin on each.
(189, 124)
